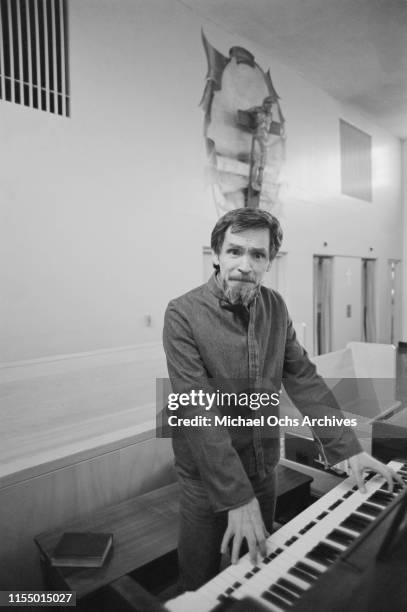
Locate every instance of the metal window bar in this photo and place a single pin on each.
(50, 56)
(37, 54)
(11, 55)
(15, 52)
(1, 56)
(54, 56)
(45, 58)
(57, 63)
(25, 81)
(29, 75)
(20, 82)
(66, 56)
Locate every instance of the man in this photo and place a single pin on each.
(236, 334)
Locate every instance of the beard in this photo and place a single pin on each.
(240, 293)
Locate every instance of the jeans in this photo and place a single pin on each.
(202, 529)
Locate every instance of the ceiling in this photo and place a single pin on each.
(356, 50)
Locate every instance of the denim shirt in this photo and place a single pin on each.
(210, 345)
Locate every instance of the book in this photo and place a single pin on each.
(82, 549)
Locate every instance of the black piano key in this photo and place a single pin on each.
(307, 527)
(381, 497)
(302, 575)
(318, 558)
(355, 523)
(278, 551)
(287, 584)
(291, 541)
(269, 557)
(282, 592)
(248, 575)
(277, 601)
(255, 569)
(348, 494)
(327, 549)
(322, 515)
(369, 509)
(369, 476)
(305, 567)
(378, 502)
(336, 504)
(229, 591)
(384, 488)
(236, 584)
(324, 553)
(337, 535)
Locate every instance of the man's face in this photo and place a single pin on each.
(243, 261)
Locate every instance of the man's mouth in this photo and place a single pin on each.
(241, 279)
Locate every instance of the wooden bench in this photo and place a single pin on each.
(145, 528)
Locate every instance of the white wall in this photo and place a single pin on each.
(104, 215)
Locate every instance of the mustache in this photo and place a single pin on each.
(242, 279)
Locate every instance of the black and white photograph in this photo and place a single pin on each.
(203, 307)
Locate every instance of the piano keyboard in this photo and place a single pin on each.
(300, 551)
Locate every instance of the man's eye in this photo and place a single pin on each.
(259, 256)
(233, 251)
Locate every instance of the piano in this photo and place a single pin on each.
(303, 554)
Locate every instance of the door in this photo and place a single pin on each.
(394, 301)
(322, 304)
(369, 300)
(347, 301)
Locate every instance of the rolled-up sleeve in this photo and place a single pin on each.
(210, 447)
(314, 399)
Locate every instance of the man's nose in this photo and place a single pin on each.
(245, 265)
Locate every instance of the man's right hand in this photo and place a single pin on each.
(245, 522)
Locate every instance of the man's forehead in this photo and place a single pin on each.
(256, 237)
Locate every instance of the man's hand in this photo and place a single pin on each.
(245, 522)
(363, 461)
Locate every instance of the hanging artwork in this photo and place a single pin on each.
(244, 131)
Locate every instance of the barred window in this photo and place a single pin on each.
(356, 161)
(34, 62)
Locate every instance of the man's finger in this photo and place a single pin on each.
(263, 547)
(225, 541)
(359, 481)
(260, 533)
(386, 473)
(252, 544)
(237, 542)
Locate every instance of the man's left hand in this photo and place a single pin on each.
(363, 461)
